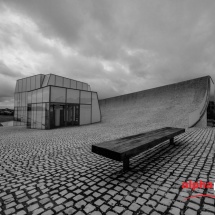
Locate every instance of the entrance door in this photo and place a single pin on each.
(73, 115)
(64, 115)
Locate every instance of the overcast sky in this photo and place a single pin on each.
(116, 46)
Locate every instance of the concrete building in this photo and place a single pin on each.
(50, 101)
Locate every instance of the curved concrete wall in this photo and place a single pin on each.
(170, 105)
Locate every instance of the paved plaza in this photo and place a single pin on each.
(54, 172)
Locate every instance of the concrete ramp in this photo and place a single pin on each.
(182, 104)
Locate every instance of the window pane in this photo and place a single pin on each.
(85, 97)
(39, 95)
(38, 81)
(26, 98)
(34, 96)
(28, 84)
(85, 86)
(66, 83)
(23, 99)
(47, 120)
(58, 94)
(79, 85)
(17, 87)
(39, 116)
(96, 117)
(15, 100)
(43, 115)
(33, 82)
(29, 97)
(85, 114)
(72, 96)
(18, 99)
(52, 80)
(46, 79)
(73, 84)
(24, 84)
(46, 94)
(59, 81)
(20, 85)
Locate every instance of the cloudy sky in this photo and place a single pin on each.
(117, 46)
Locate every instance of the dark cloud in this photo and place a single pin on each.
(6, 71)
(116, 46)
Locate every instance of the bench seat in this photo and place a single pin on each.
(124, 148)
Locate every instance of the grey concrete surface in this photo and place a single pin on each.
(158, 107)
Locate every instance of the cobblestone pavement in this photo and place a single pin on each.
(54, 172)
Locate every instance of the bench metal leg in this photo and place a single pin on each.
(172, 141)
(125, 164)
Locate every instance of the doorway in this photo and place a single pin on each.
(64, 115)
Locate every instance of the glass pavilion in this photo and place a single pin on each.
(51, 101)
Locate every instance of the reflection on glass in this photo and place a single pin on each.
(33, 82)
(39, 95)
(20, 85)
(73, 96)
(58, 94)
(66, 83)
(51, 80)
(79, 85)
(43, 115)
(38, 81)
(45, 81)
(73, 84)
(24, 84)
(46, 94)
(39, 116)
(29, 97)
(85, 86)
(85, 97)
(28, 88)
(85, 114)
(95, 109)
(34, 96)
(59, 81)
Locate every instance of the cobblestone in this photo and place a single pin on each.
(56, 173)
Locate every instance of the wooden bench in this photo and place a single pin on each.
(124, 148)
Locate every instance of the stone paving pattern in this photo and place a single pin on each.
(54, 172)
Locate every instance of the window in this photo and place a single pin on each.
(29, 97)
(46, 94)
(33, 83)
(20, 85)
(38, 81)
(39, 95)
(58, 94)
(95, 109)
(85, 114)
(66, 83)
(51, 80)
(34, 96)
(79, 85)
(59, 81)
(85, 86)
(85, 97)
(45, 81)
(28, 88)
(72, 96)
(24, 84)
(73, 84)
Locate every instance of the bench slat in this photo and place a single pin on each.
(130, 146)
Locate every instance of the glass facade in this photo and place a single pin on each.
(51, 101)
